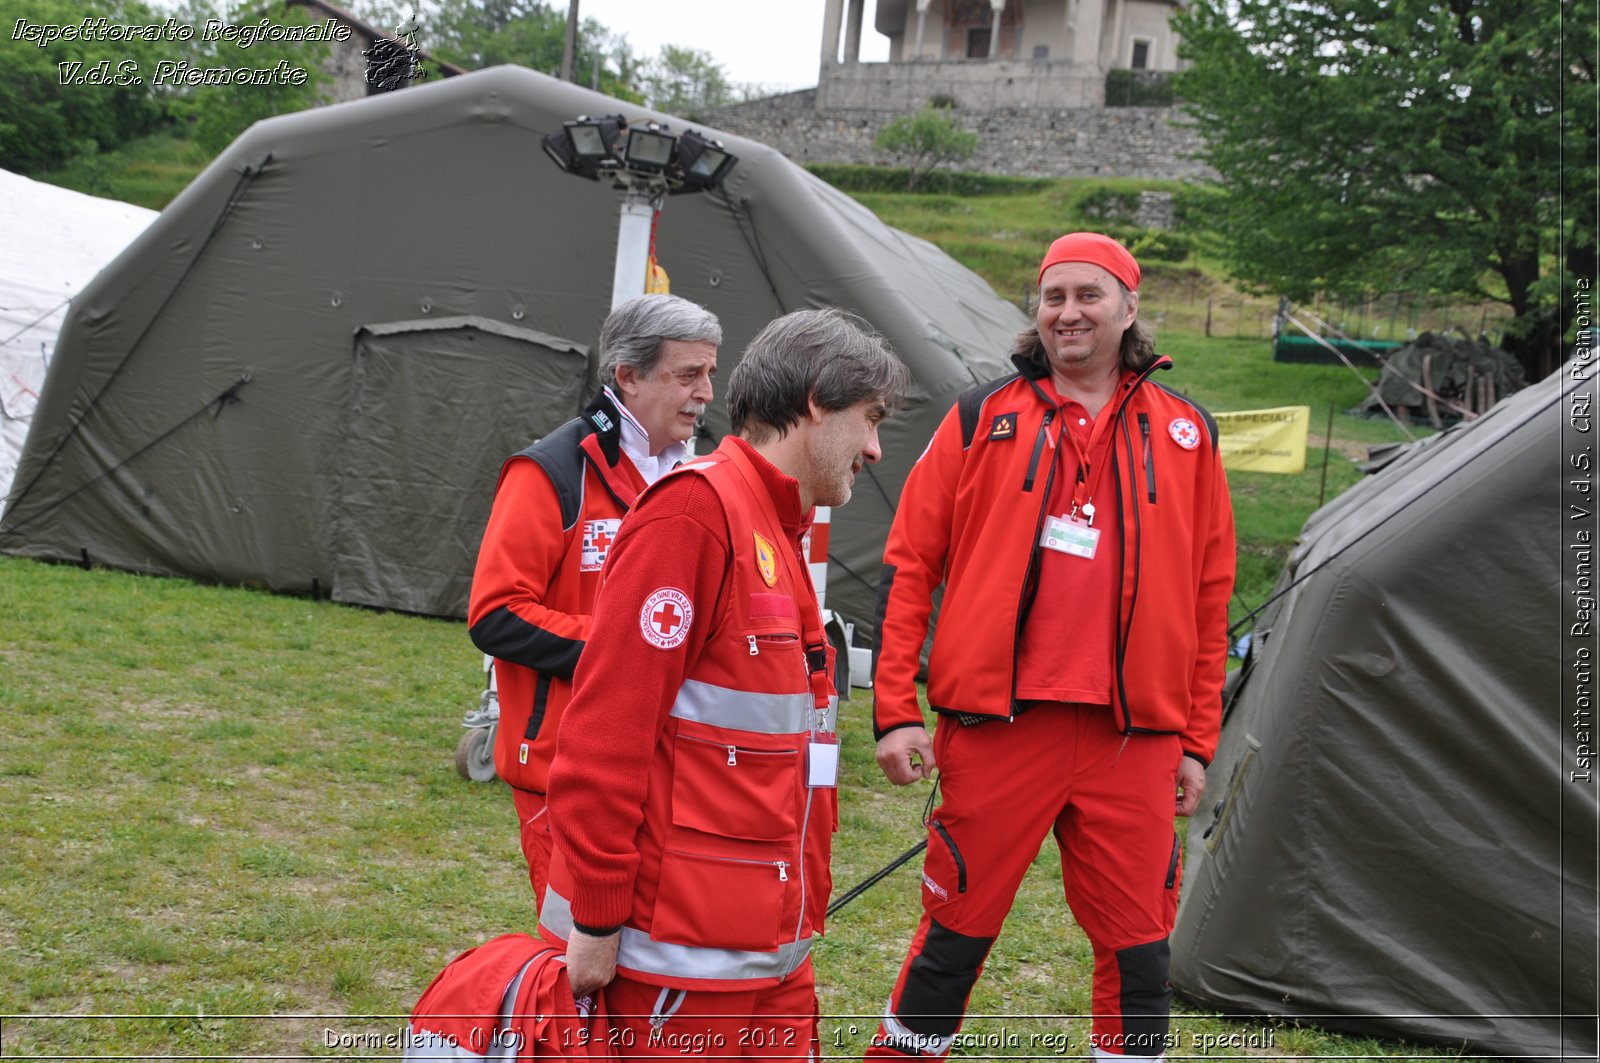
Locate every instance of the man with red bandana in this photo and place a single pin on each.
(1078, 518)
(557, 508)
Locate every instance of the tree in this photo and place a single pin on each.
(61, 97)
(482, 33)
(531, 33)
(265, 78)
(570, 41)
(684, 81)
(928, 139)
(1399, 143)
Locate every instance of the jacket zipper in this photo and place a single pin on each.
(1028, 577)
(734, 751)
(1149, 457)
(1125, 624)
(1038, 449)
(756, 640)
(781, 865)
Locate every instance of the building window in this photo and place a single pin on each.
(978, 43)
(1041, 51)
(1141, 54)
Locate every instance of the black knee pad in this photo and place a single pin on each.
(939, 981)
(1146, 997)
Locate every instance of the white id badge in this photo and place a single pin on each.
(822, 761)
(1069, 536)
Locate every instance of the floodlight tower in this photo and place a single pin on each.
(646, 162)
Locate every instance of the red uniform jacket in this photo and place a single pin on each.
(971, 517)
(679, 796)
(557, 507)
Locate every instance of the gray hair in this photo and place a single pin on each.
(824, 356)
(1138, 342)
(633, 332)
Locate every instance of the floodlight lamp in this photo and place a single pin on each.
(704, 163)
(595, 139)
(650, 148)
(558, 146)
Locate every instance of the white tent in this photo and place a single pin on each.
(52, 243)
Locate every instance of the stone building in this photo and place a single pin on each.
(992, 53)
(351, 62)
(1029, 77)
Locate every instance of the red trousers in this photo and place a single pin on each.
(779, 1022)
(1109, 800)
(534, 818)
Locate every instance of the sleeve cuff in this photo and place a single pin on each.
(596, 931)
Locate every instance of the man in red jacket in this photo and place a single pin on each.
(693, 788)
(557, 508)
(1077, 515)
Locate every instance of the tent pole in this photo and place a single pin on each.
(1327, 448)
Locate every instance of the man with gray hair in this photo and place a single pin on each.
(693, 788)
(557, 508)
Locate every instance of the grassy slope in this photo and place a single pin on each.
(147, 172)
(220, 802)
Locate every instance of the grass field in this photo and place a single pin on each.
(232, 825)
(233, 828)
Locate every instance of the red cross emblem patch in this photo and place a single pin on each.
(1184, 433)
(598, 536)
(664, 621)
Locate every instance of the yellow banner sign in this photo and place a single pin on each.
(1265, 440)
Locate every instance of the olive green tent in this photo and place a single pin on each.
(1398, 836)
(305, 373)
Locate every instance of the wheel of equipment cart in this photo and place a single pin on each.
(475, 754)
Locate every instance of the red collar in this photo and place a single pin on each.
(784, 489)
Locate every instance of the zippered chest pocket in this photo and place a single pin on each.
(735, 789)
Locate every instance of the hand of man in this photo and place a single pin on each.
(1191, 784)
(591, 961)
(906, 755)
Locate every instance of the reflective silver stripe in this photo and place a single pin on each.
(506, 1046)
(427, 1045)
(1100, 1055)
(895, 1035)
(639, 952)
(743, 710)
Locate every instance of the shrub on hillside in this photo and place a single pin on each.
(928, 139)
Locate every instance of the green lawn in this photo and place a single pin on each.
(233, 828)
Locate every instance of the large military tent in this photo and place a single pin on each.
(304, 375)
(1394, 841)
(52, 242)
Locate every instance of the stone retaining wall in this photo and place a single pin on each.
(1152, 142)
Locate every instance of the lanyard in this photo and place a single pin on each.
(1088, 478)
